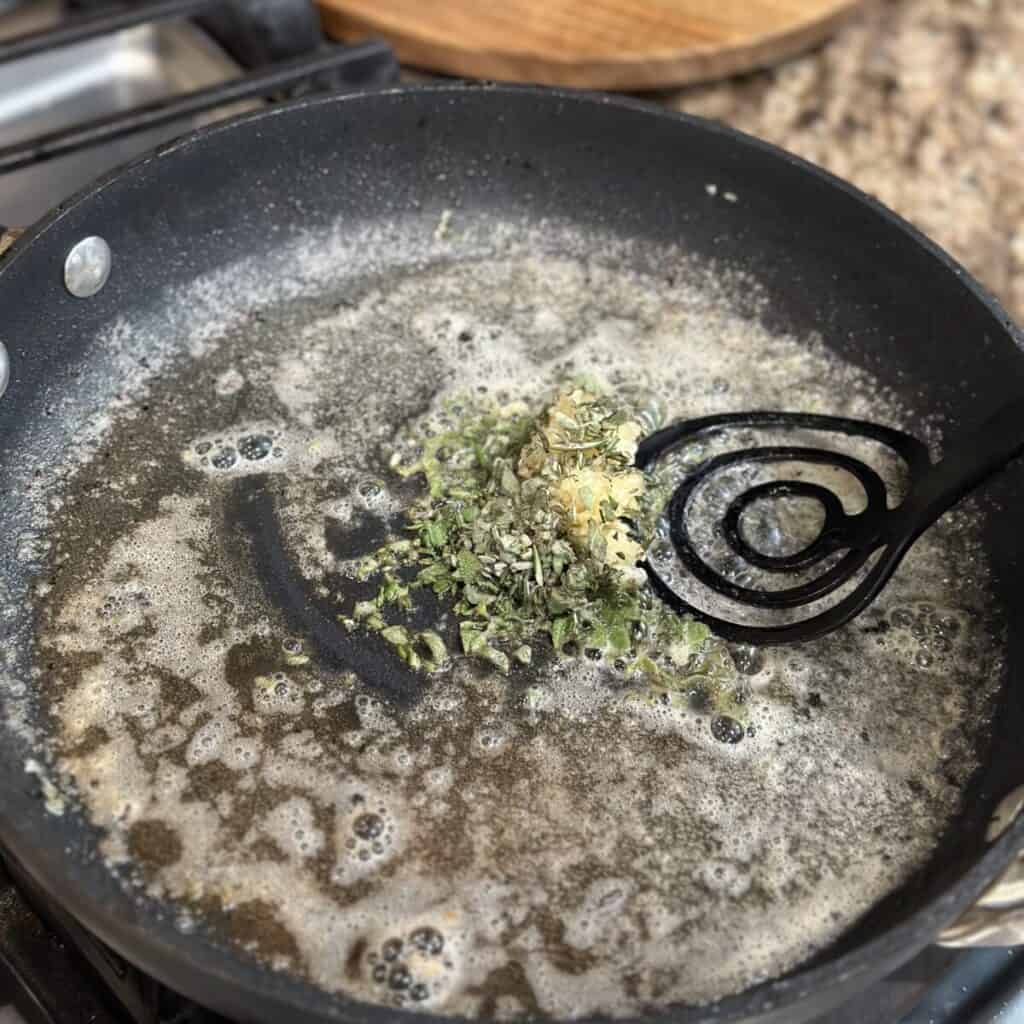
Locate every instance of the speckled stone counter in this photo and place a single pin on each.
(918, 102)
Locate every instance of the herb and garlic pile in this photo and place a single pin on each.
(531, 527)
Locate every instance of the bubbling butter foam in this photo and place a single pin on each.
(530, 845)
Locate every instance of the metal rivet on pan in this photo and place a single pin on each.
(87, 267)
(5, 369)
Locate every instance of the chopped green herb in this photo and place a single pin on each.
(528, 528)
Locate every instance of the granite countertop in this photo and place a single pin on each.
(918, 102)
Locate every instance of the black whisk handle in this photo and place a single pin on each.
(970, 461)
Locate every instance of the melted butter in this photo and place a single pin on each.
(535, 844)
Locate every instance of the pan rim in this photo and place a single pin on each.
(580, 96)
(280, 994)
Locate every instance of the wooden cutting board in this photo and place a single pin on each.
(596, 44)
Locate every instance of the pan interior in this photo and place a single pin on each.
(469, 843)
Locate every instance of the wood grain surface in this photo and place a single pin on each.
(597, 44)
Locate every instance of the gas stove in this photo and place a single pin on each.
(85, 90)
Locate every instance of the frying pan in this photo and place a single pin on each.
(829, 259)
